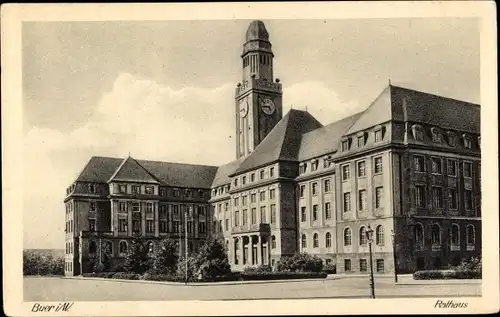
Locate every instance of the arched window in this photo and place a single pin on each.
(273, 242)
(455, 234)
(436, 234)
(362, 236)
(328, 240)
(315, 240)
(379, 238)
(304, 241)
(123, 247)
(471, 235)
(92, 247)
(347, 236)
(418, 232)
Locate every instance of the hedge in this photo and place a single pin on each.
(249, 276)
(445, 274)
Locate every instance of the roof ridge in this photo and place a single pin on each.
(134, 160)
(438, 96)
(177, 163)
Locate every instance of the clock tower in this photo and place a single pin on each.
(258, 96)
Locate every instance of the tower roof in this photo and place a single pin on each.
(257, 31)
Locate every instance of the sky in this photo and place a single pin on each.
(164, 90)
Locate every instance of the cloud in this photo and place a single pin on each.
(151, 121)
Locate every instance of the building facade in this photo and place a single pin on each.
(408, 167)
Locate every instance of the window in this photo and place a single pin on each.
(418, 132)
(201, 193)
(452, 168)
(471, 235)
(262, 195)
(92, 188)
(347, 202)
(254, 216)
(347, 265)
(176, 226)
(303, 214)
(92, 248)
(245, 217)
(347, 237)
(136, 222)
(327, 162)
(315, 241)
(328, 240)
(149, 190)
(418, 234)
(122, 189)
(135, 207)
(122, 206)
(92, 206)
(379, 192)
(380, 265)
(379, 235)
(436, 234)
(314, 165)
(149, 208)
(327, 185)
(272, 193)
(273, 242)
(419, 164)
(176, 210)
(345, 172)
(136, 189)
(455, 234)
(378, 135)
(243, 180)
(314, 189)
(437, 197)
(150, 226)
(122, 225)
(468, 199)
(123, 248)
(436, 165)
(244, 200)
(263, 214)
(361, 141)
(188, 193)
(467, 169)
(362, 200)
(328, 210)
(345, 145)
(361, 169)
(452, 199)
(302, 190)
(176, 192)
(91, 224)
(236, 201)
(452, 140)
(221, 190)
(227, 224)
(378, 165)
(252, 177)
(315, 212)
(271, 172)
(261, 174)
(163, 226)
(420, 196)
(467, 141)
(436, 135)
(235, 182)
(236, 218)
(362, 236)
(253, 198)
(363, 265)
(273, 213)
(304, 241)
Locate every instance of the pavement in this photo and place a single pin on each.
(337, 286)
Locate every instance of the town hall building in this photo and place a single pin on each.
(408, 167)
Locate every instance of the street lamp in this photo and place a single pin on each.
(369, 237)
(393, 235)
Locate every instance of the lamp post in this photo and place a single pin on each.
(369, 237)
(395, 259)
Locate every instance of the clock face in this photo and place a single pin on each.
(244, 107)
(267, 106)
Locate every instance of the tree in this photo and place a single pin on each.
(192, 268)
(212, 260)
(137, 258)
(165, 257)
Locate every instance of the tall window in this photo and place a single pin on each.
(315, 241)
(420, 196)
(315, 212)
(163, 226)
(245, 216)
(254, 216)
(362, 236)
(436, 165)
(437, 197)
(272, 193)
(273, 213)
(467, 169)
(236, 218)
(92, 248)
(263, 214)
(379, 235)
(380, 265)
(243, 180)
(314, 188)
(468, 199)
(304, 241)
(419, 164)
(378, 165)
(362, 200)
(347, 265)
(149, 208)
(452, 199)
(418, 234)
(123, 248)
(150, 226)
(379, 192)
(122, 225)
(328, 210)
(345, 172)
(253, 198)
(347, 236)
(327, 185)
(261, 174)
(252, 177)
(92, 206)
(92, 188)
(436, 234)
(303, 214)
(471, 235)
(236, 201)
(328, 240)
(262, 196)
(91, 224)
(361, 169)
(302, 190)
(455, 234)
(347, 202)
(273, 242)
(363, 265)
(244, 200)
(452, 168)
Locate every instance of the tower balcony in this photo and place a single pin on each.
(261, 84)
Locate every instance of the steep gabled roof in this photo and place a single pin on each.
(326, 139)
(99, 169)
(283, 142)
(223, 172)
(131, 170)
(181, 175)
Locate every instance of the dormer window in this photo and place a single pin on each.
(303, 168)
(467, 141)
(136, 189)
(479, 142)
(436, 135)
(252, 177)
(261, 174)
(149, 190)
(418, 132)
(176, 192)
(361, 141)
(327, 161)
(188, 192)
(345, 145)
(221, 190)
(214, 192)
(452, 139)
(92, 188)
(314, 165)
(235, 182)
(243, 180)
(378, 134)
(228, 187)
(92, 206)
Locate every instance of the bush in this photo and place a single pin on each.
(165, 257)
(469, 265)
(212, 261)
(126, 276)
(261, 268)
(36, 263)
(330, 269)
(445, 274)
(302, 262)
(192, 271)
(249, 276)
(137, 259)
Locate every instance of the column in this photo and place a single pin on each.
(250, 249)
(157, 219)
(129, 216)
(240, 262)
(143, 218)
(259, 251)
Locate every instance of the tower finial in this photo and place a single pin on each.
(389, 81)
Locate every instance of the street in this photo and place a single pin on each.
(76, 289)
